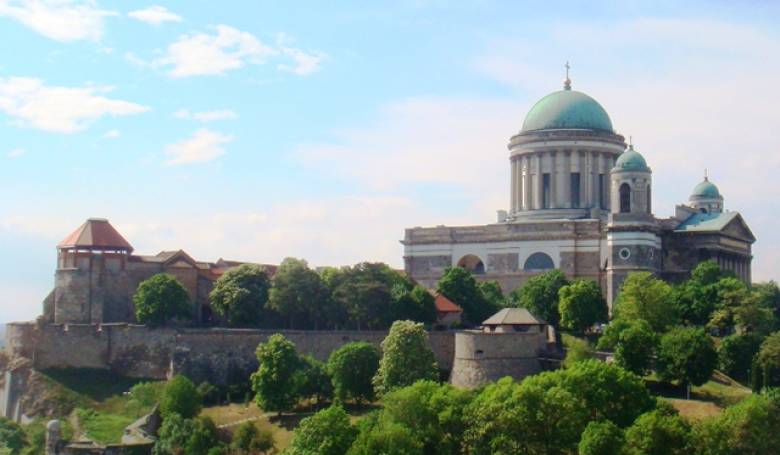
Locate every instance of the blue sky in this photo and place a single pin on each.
(259, 130)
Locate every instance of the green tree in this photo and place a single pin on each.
(601, 438)
(535, 417)
(768, 359)
(432, 412)
(248, 439)
(413, 302)
(297, 293)
(608, 391)
(181, 397)
(275, 379)
(609, 340)
(736, 352)
(240, 295)
(686, 355)
(364, 291)
(180, 436)
(731, 294)
(644, 296)
(386, 439)
(406, 357)
(492, 294)
(581, 305)
(746, 428)
(659, 432)
(327, 432)
(540, 295)
(160, 299)
(352, 368)
(315, 381)
(636, 346)
(695, 300)
(12, 436)
(458, 285)
(768, 296)
(577, 350)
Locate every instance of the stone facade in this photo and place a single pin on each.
(581, 201)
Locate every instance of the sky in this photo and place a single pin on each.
(259, 130)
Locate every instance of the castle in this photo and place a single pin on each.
(581, 201)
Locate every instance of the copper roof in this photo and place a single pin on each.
(445, 305)
(96, 233)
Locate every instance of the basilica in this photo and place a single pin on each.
(581, 201)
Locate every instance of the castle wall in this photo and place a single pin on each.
(217, 355)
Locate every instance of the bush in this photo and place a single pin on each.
(315, 382)
(768, 359)
(386, 439)
(659, 433)
(180, 397)
(178, 435)
(736, 352)
(249, 439)
(352, 367)
(327, 432)
(160, 299)
(279, 367)
(12, 436)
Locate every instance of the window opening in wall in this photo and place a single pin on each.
(649, 200)
(545, 191)
(538, 261)
(575, 189)
(602, 192)
(625, 198)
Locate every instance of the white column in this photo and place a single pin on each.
(538, 177)
(513, 186)
(526, 183)
(585, 176)
(564, 197)
(518, 185)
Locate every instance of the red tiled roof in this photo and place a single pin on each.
(445, 305)
(96, 233)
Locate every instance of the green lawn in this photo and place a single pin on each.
(102, 427)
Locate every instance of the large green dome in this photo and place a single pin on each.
(567, 109)
(706, 189)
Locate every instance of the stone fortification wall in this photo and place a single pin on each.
(482, 357)
(218, 355)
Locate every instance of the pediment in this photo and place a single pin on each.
(739, 229)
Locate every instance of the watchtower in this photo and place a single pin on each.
(89, 261)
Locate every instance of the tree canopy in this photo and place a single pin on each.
(327, 432)
(352, 368)
(459, 285)
(180, 396)
(297, 293)
(160, 299)
(540, 295)
(240, 295)
(644, 296)
(686, 355)
(581, 305)
(274, 382)
(406, 357)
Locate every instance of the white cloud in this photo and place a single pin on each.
(59, 109)
(16, 153)
(111, 134)
(155, 15)
(60, 20)
(204, 54)
(204, 145)
(206, 116)
(304, 63)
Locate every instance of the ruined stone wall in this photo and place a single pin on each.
(217, 355)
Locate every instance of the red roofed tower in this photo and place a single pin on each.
(85, 259)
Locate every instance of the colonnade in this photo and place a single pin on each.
(737, 264)
(528, 179)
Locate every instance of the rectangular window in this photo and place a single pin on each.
(545, 191)
(575, 189)
(602, 191)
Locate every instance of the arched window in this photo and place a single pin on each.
(625, 198)
(472, 263)
(538, 261)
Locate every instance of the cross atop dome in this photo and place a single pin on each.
(567, 81)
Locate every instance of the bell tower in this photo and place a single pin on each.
(633, 244)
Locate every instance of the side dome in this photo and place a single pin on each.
(567, 109)
(705, 189)
(631, 160)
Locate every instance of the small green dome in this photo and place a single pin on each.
(631, 160)
(706, 189)
(567, 109)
